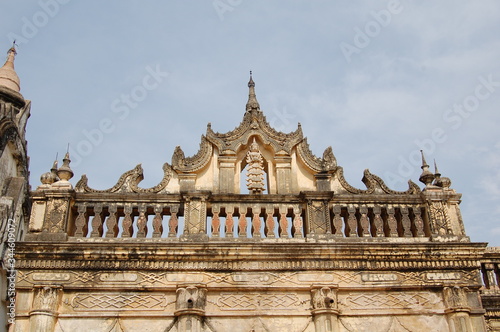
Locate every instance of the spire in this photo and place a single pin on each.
(64, 173)
(426, 177)
(436, 172)
(252, 99)
(439, 181)
(8, 76)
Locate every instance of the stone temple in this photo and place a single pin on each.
(299, 250)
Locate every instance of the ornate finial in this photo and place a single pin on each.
(8, 76)
(49, 178)
(439, 181)
(252, 103)
(426, 177)
(64, 173)
(437, 176)
(255, 173)
(436, 172)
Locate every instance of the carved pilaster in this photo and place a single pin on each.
(324, 308)
(56, 215)
(445, 219)
(43, 314)
(227, 171)
(187, 182)
(283, 175)
(457, 309)
(190, 307)
(195, 216)
(318, 213)
(323, 181)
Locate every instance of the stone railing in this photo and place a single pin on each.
(62, 214)
(205, 216)
(490, 270)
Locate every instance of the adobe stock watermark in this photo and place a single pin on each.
(453, 118)
(11, 271)
(281, 120)
(121, 107)
(372, 28)
(223, 6)
(32, 25)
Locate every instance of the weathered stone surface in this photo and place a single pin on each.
(303, 251)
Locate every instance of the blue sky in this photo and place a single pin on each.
(124, 82)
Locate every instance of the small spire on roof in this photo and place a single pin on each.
(252, 103)
(426, 177)
(436, 172)
(8, 76)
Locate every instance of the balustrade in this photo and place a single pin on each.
(377, 221)
(490, 271)
(249, 219)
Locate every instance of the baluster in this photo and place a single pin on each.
(127, 222)
(111, 223)
(364, 222)
(256, 222)
(392, 223)
(490, 274)
(419, 223)
(173, 223)
(242, 222)
(81, 221)
(297, 223)
(351, 221)
(283, 229)
(229, 221)
(97, 221)
(158, 222)
(378, 222)
(405, 221)
(215, 221)
(142, 227)
(337, 220)
(269, 230)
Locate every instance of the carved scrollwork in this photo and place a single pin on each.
(375, 185)
(194, 163)
(128, 182)
(316, 164)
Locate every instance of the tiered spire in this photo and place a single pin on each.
(252, 103)
(426, 177)
(439, 181)
(8, 76)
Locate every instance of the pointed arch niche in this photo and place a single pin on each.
(276, 167)
(267, 153)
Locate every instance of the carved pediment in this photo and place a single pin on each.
(255, 124)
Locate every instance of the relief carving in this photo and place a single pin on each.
(191, 297)
(128, 182)
(255, 301)
(46, 298)
(324, 298)
(117, 301)
(455, 297)
(255, 173)
(440, 220)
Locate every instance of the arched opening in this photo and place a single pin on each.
(254, 168)
(244, 176)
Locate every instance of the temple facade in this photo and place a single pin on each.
(252, 233)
